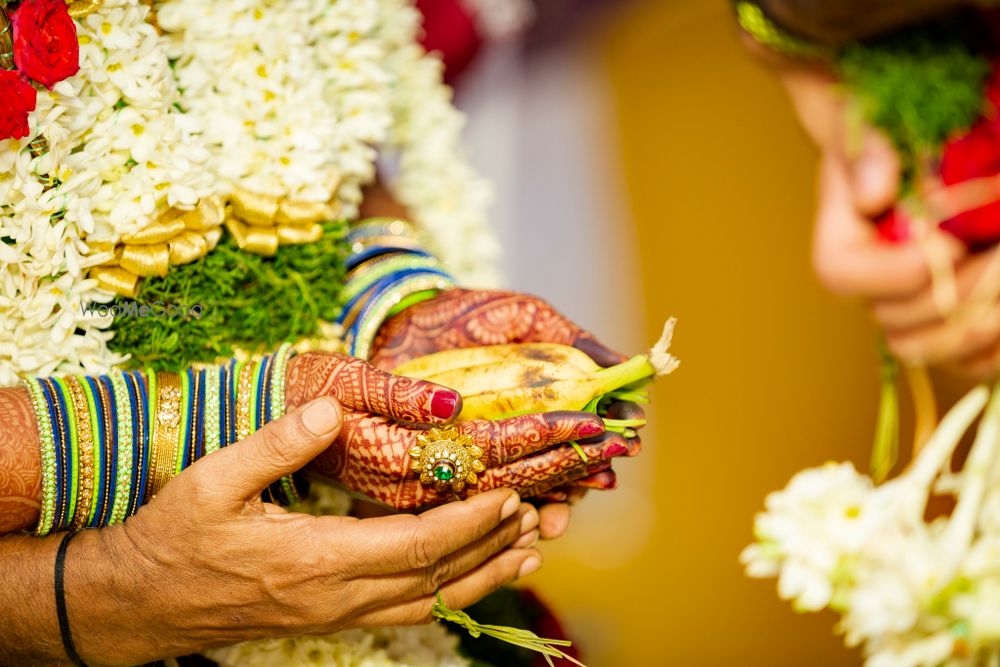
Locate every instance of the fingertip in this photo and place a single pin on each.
(875, 174)
(510, 506)
(593, 426)
(554, 520)
(321, 416)
(531, 564)
(446, 404)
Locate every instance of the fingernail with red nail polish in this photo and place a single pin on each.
(589, 430)
(615, 449)
(443, 404)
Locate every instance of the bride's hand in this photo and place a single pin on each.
(361, 387)
(467, 318)
(461, 318)
(371, 456)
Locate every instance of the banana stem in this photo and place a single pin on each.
(634, 370)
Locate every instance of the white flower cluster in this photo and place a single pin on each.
(120, 155)
(447, 197)
(302, 115)
(913, 592)
(291, 99)
(252, 74)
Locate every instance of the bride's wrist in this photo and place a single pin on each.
(388, 271)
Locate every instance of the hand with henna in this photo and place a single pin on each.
(524, 453)
(462, 318)
(467, 318)
(371, 456)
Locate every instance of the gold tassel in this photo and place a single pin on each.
(146, 260)
(116, 280)
(259, 240)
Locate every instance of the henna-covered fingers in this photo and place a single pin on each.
(510, 439)
(359, 386)
(467, 318)
(602, 481)
(625, 446)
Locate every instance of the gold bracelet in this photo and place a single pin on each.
(85, 436)
(168, 419)
(243, 392)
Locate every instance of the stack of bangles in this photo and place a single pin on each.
(110, 443)
(388, 271)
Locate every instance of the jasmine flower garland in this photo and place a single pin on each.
(119, 154)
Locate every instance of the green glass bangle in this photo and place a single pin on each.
(123, 483)
(185, 425)
(412, 300)
(46, 440)
(281, 358)
(380, 267)
(73, 465)
(362, 342)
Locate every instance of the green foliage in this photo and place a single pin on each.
(246, 301)
(921, 85)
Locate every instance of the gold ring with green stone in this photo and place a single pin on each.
(447, 458)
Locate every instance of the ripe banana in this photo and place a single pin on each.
(505, 380)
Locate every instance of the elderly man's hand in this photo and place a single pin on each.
(207, 563)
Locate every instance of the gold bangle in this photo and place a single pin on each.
(168, 418)
(85, 437)
(243, 392)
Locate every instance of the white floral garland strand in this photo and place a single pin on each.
(435, 181)
(913, 593)
(44, 328)
(250, 74)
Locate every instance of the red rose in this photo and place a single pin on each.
(975, 154)
(17, 99)
(45, 45)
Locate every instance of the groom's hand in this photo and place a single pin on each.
(207, 563)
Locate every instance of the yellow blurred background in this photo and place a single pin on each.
(776, 375)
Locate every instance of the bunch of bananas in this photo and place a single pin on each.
(500, 381)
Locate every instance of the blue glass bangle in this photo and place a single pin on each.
(231, 400)
(269, 389)
(188, 389)
(70, 461)
(101, 464)
(258, 417)
(381, 285)
(113, 444)
(138, 462)
(147, 427)
(385, 285)
(221, 398)
(199, 448)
